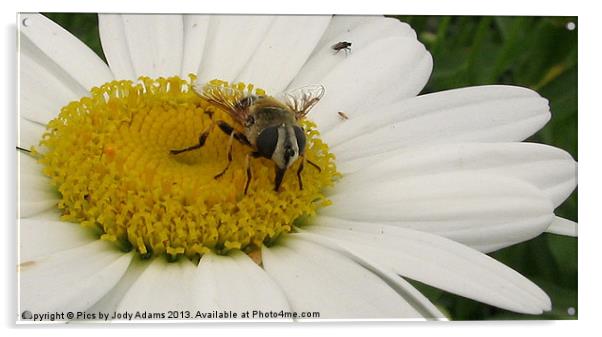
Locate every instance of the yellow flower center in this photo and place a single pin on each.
(109, 157)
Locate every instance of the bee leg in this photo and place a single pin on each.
(314, 165)
(299, 173)
(229, 130)
(248, 168)
(229, 157)
(279, 175)
(202, 138)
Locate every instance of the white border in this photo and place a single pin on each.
(589, 172)
(430, 7)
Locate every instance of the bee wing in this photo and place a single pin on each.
(235, 102)
(303, 99)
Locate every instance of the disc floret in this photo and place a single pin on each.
(109, 157)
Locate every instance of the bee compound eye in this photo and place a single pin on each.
(267, 141)
(300, 136)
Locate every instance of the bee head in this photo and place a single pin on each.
(282, 143)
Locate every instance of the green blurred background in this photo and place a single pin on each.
(534, 52)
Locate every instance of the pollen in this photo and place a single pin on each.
(109, 156)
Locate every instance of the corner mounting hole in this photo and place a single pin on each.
(571, 26)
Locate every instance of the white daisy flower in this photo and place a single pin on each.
(421, 187)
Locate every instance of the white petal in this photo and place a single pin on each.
(483, 211)
(476, 114)
(154, 42)
(66, 52)
(284, 50)
(115, 46)
(30, 133)
(27, 164)
(562, 226)
(71, 280)
(360, 34)
(387, 63)
(236, 283)
(41, 237)
(315, 278)
(218, 283)
(162, 286)
(109, 302)
(36, 193)
(409, 294)
(442, 263)
(231, 41)
(195, 34)
(44, 87)
(550, 169)
(339, 24)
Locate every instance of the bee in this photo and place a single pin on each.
(343, 45)
(343, 115)
(268, 125)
